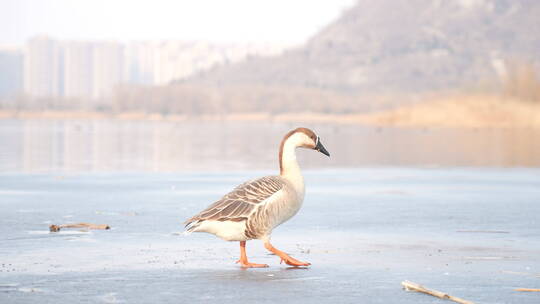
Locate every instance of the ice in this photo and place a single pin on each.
(473, 233)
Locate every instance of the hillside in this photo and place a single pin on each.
(401, 46)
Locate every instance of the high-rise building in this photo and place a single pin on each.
(176, 60)
(139, 63)
(168, 62)
(42, 62)
(107, 68)
(78, 64)
(91, 70)
(11, 66)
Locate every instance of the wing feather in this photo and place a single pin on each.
(240, 203)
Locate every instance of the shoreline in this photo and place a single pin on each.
(457, 112)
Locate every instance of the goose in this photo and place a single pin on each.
(253, 209)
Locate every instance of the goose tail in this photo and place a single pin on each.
(191, 225)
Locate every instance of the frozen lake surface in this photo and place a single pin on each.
(473, 233)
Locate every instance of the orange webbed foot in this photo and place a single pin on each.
(293, 262)
(285, 257)
(246, 264)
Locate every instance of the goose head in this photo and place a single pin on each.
(304, 138)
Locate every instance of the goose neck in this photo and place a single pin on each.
(288, 164)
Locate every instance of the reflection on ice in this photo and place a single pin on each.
(134, 146)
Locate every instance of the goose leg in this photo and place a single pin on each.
(285, 257)
(244, 260)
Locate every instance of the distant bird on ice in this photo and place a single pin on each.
(253, 209)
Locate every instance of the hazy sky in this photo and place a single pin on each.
(284, 21)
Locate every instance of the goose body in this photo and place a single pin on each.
(253, 209)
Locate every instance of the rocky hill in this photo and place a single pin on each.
(382, 46)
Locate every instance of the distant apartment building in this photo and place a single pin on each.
(174, 60)
(42, 68)
(78, 69)
(139, 64)
(72, 69)
(170, 62)
(11, 66)
(107, 68)
(91, 70)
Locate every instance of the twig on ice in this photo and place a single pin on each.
(528, 289)
(417, 287)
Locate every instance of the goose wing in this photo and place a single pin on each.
(238, 204)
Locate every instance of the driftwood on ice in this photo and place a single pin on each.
(56, 228)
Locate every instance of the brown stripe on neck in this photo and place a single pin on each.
(306, 131)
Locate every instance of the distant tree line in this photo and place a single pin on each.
(198, 100)
(521, 82)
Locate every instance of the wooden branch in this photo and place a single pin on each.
(56, 228)
(528, 289)
(417, 287)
